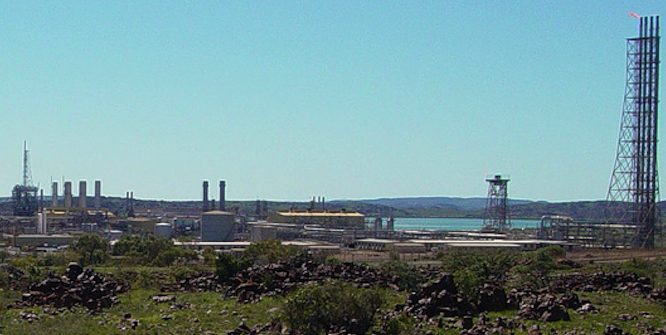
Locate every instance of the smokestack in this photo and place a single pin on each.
(41, 198)
(98, 194)
(82, 194)
(54, 194)
(206, 208)
(68, 194)
(223, 185)
(130, 205)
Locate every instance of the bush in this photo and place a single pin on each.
(271, 251)
(92, 248)
(60, 259)
(227, 266)
(208, 255)
(535, 267)
(471, 269)
(641, 267)
(151, 250)
(316, 309)
(408, 278)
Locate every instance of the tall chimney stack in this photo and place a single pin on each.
(68, 194)
(82, 194)
(54, 194)
(98, 194)
(206, 208)
(223, 185)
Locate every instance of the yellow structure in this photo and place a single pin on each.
(337, 219)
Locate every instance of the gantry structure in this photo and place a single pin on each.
(497, 208)
(634, 187)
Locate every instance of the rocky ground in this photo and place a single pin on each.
(77, 287)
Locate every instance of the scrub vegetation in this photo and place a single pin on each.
(326, 302)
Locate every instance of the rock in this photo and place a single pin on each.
(612, 330)
(587, 308)
(88, 289)
(601, 281)
(542, 307)
(626, 317)
(163, 298)
(28, 316)
(74, 269)
(492, 298)
(571, 301)
(467, 322)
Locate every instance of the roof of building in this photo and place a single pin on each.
(489, 242)
(376, 240)
(216, 212)
(320, 214)
(206, 244)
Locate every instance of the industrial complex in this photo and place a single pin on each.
(632, 219)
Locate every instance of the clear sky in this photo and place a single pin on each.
(286, 100)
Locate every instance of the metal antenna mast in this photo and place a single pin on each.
(634, 186)
(27, 173)
(497, 208)
(24, 196)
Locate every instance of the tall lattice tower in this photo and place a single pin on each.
(634, 186)
(497, 207)
(24, 196)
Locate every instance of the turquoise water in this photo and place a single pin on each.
(452, 224)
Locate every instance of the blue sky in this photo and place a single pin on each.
(290, 99)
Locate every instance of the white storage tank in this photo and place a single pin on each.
(163, 229)
(217, 226)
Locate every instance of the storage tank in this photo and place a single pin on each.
(217, 226)
(262, 233)
(163, 230)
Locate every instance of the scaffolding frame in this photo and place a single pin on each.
(634, 187)
(497, 208)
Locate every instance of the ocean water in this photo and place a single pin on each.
(452, 224)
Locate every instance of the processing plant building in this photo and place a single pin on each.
(324, 218)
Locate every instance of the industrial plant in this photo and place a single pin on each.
(632, 218)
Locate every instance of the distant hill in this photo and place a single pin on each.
(442, 207)
(465, 204)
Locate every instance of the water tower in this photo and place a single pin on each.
(497, 207)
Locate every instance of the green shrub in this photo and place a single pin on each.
(92, 248)
(534, 268)
(209, 256)
(271, 251)
(226, 266)
(408, 278)
(640, 267)
(473, 268)
(316, 309)
(150, 250)
(401, 324)
(60, 259)
(332, 260)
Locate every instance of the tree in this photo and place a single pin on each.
(92, 248)
(271, 251)
(208, 255)
(150, 249)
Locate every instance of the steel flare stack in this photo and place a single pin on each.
(634, 187)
